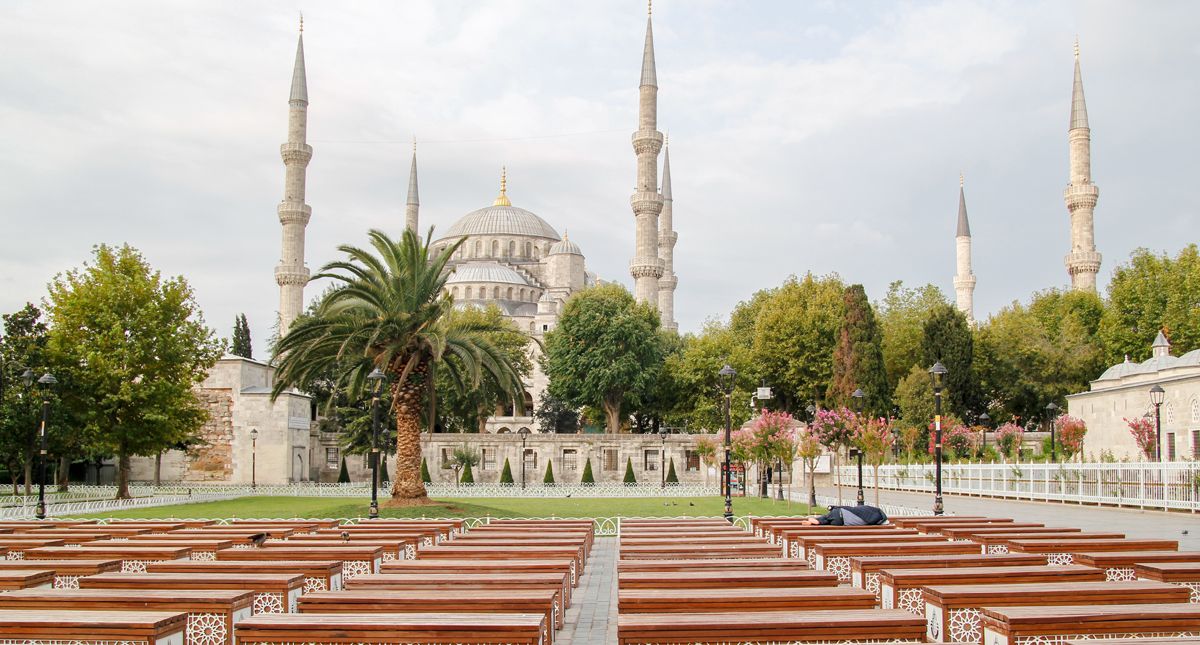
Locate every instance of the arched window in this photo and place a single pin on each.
(536, 253)
(512, 248)
(478, 248)
(454, 292)
(528, 401)
(495, 293)
(467, 293)
(1169, 413)
(504, 431)
(524, 296)
(528, 249)
(509, 296)
(1195, 410)
(495, 248)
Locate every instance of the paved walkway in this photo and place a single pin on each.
(592, 618)
(1134, 523)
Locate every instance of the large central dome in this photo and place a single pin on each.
(502, 220)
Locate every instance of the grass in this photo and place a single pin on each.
(341, 507)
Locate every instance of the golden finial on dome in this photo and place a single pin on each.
(960, 180)
(502, 199)
(301, 22)
(414, 144)
(649, 7)
(1076, 46)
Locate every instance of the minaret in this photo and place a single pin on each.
(646, 267)
(666, 250)
(414, 202)
(291, 275)
(964, 278)
(1083, 262)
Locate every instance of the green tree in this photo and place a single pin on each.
(137, 344)
(467, 409)
(468, 477)
(239, 345)
(22, 347)
(701, 403)
(1149, 293)
(794, 338)
(548, 478)
(344, 473)
(604, 351)
(556, 415)
(425, 478)
(902, 315)
(672, 478)
(587, 472)
(388, 310)
(914, 396)
(462, 459)
(506, 473)
(630, 478)
(947, 338)
(858, 358)
(383, 471)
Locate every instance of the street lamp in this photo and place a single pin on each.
(524, 432)
(984, 420)
(727, 375)
(857, 452)
(812, 412)
(1157, 396)
(1051, 415)
(377, 377)
(253, 458)
(937, 373)
(662, 461)
(47, 381)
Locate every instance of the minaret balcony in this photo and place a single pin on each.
(294, 212)
(291, 275)
(667, 238)
(646, 203)
(1081, 191)
(668, 282)
(646, 267)
(1083, 262)
(295, 153)
(649, 141)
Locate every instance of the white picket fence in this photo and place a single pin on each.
(29, 511)
(1173, 485)
(439, 490)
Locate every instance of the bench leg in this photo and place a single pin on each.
(66, 582)
(269, 603)
(207, 629)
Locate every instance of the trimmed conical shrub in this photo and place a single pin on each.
(549, 477)
(629, 476)
(344, 474)
(672, 478)
(506, 473)
(425, 478)
(383, 472)
(587, 473)
(467, 477)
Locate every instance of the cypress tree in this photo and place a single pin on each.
(240, 343)
(425, 478)
(383, 472)
(587, 473)
(549, 478)
(947, 338)
(467, 477)
(506, 473)
(344, 474)
(858, 357)
(672, 478)
(629, 476)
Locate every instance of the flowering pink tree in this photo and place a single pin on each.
(706, 449)
(1142, 429)
(875, 439)
(808, 449)
(768, 440)
(835, 429)
(1070, 434)
(1008, 438)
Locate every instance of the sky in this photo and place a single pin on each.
(805, 136)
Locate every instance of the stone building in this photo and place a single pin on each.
(1123, 392)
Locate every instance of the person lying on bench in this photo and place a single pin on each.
(850, 516)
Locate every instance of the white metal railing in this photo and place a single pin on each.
(1145, 485)
(105, 505)
(891, 510)
(358, 489)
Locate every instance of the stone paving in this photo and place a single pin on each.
(592, 618)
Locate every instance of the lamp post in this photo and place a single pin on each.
(1157, 396)
(376, 377)
(47, 381)
(857, 452)
(937, 373)
(984, 420)
(727, 375)
(1051, 415)
(662, 461)
(524, 432)
(253, 458)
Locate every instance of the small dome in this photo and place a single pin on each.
(1118, 371)
(486, 272)
(565, 245)
(1156, 364)
(1190, 358)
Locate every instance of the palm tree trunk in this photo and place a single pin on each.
(406, 399)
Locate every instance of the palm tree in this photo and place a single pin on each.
(388, 310)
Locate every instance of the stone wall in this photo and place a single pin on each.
(212, 460)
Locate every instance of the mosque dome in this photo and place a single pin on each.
(492, 272)
(501, 218)
(565, 245)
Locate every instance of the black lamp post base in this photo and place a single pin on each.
(374, 512)
(40, 513)
(938, 509)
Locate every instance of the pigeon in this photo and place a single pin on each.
(345, 536)
(257, 539)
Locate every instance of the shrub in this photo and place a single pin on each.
(629, 476)
(1008, 439)
(467, 476)
(1070, 434)
(344, 475)
(1142, 429)
(672, 478)
(549, 476)
(506, 473)
(587, 473)
(425, 472)
(383, 473)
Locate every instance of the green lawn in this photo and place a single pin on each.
(340, 507)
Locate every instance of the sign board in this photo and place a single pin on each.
(763, 393)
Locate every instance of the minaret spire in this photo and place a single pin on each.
(666, 248)
(413, 205)
(291, 274)
(1083, 261)
(964, 278)
(646, 267)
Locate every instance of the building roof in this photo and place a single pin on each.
(299, 79)
(486, 272)
(565, 245)
(1079, 117)
(964, 226)
(502, 220)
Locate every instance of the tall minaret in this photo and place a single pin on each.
(964, 278)
(646, 267)
(1083, 262)
(414, 202)
(666, 250)
(291, 275)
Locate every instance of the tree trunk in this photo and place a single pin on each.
(157, 469)
(122, 474)
(406, 400)
(14, 483)
(837, 468)
(812, 484)
(64, 474)
(29, 474)
(875, 468)
(612, 415)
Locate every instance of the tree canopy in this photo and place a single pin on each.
(858, 358)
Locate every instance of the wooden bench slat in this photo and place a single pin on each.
(518, 629)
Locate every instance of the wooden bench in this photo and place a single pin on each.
(798, 544)
(1060, 551)
(560, 566)
(273, 592)
(202, 549)
(724, 579)
(324, 629)
(901, 588)
(529, 540)
(460, 582)
(124, 528)
(1184, 574)
(15, 548)
(837, 626)
(67, 536)
(211, 615)
(835, 557)
(956, 532)
(426, 601)
(1119, 565)
(319, 575)
(552, 535)
(124, 627)
(241, 538)
(690, 551)
(744, 538)
(11, 579)
(17, 526)
(775, 534)
(864, 570)
(356, 560)
(159, 525)
(999, 542)
(764, 564)
(749, 599)
(426, 537)
(116, 532)
(300, 525)
(393, 548)
(1054, 625)
(525, 552)
(66, 572)
(133, 558)
(952, 612)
